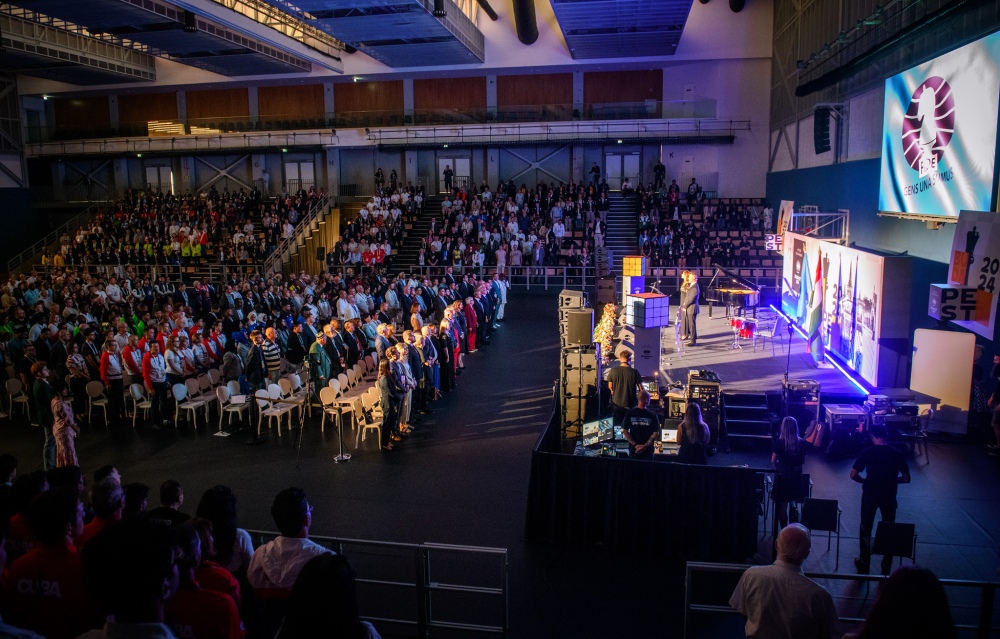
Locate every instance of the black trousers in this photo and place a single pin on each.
(869, 505)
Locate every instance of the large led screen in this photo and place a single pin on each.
(939, 132)
(835, 292)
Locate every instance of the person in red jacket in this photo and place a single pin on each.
(195, 612)
(50, 577)
(471, 324)
(20, 539)
(112, 370)
(209, 574)
(107, 499)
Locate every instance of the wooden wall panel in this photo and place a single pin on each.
(218, 104)
(142, 107)
(546, 88)
(82, 112)
(292, 102)
(350, 97)
(622, 86)
(450, 93)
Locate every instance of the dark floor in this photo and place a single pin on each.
(463, 479)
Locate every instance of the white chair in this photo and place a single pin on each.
(370, 402)
(372, 370)
(139, 402)
(368, 423)
(285, 385)
(768, 329)
(215, 376)
(234, 388)
(266, 409)
(226, 405)
(196, 396)
(96, 397)
(328, 397)
(274, 393)
(205, 384)
(15, 389)
(180, 393)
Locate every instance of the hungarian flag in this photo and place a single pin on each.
(814, 314)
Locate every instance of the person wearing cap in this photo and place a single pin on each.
(319, 362)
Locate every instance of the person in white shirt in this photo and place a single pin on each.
(113, 291)
(277, 563)
(343, 306)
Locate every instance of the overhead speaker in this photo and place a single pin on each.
(737, 5)
(821, 130)
(321, 253)
(190, 26)
(580, 329)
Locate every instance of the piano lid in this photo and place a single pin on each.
(726, 281)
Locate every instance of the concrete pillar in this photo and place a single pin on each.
(491, 98)
(333, 171)
(328, 106)
(578, 94)
(408, 100)
(186, 180)
(493, 166)
(121, 177)
(411, 173)
(253, 104)
(182, 106)
(113, 111)
(59, 180)
(577, 168)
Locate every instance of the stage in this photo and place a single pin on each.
(748, 369)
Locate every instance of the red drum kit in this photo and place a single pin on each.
(743, 328)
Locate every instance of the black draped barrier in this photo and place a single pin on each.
(697, 513)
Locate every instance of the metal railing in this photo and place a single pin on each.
(174, 273)
(276, 260)
(27, 257)
(558, 112)
(420, 581)
(983, 628)
(528, 277)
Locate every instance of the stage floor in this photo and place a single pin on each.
(747, 368)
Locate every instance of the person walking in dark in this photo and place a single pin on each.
(885, 468)
(625, 383)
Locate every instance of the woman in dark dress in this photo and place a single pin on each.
(787, 455)
(693, 436)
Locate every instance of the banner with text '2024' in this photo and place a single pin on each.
(939, 133)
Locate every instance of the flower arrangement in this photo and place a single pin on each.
(604, 332)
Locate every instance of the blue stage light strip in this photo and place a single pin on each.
(827, 356)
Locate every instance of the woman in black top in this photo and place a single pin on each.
(787, 454)
(692, 437)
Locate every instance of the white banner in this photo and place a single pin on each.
(975, 264)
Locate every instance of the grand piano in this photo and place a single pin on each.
(738, 294)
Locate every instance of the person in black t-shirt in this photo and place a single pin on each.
(641, 427)
(885, 468)
(624, 382)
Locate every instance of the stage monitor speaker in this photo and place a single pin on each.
(581, 327)
(576, 378)
(321, 253)
(821, 129)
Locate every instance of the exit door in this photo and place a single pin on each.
(618, 166)
(462, 169)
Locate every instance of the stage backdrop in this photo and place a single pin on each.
(939, 133)
(843, 293)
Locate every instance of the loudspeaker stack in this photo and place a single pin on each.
(579, 367)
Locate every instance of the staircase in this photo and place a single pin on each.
(622, 234)
(406, 255)
(747, 416)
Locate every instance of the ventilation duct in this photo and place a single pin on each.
(524, 21)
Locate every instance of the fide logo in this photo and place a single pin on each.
(928, 125)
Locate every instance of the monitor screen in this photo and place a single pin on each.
(668, 436)
(939, 129)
